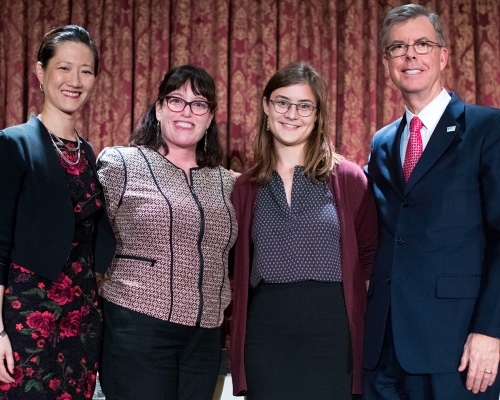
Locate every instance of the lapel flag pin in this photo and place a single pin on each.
(451, 129)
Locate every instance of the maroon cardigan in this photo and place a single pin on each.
(358, 227)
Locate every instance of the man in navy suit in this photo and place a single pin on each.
(433, 313)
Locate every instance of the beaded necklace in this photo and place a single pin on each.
(59, 143)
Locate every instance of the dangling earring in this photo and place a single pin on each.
(158, 132)
(41, 87)
(206, 135)
(267, 124)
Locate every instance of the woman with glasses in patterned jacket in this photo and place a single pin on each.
(167, 288)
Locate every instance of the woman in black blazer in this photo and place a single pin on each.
(54, 234)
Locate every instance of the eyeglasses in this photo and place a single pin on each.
(400, 49)
(282, 106)
(198, 107)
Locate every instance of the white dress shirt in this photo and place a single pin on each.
(429, 116)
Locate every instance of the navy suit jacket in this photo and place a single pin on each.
(37, 222)
(437, 268)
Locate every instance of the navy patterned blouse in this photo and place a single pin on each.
(297, 242)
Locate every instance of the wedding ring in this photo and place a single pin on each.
(487, 372)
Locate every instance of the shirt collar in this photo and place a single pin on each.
(433, 111)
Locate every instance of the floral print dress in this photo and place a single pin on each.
(55, 327)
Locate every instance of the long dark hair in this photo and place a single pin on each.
(320, 156)
(146, 132)
(68, 33)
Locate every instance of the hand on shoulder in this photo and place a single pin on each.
(234, 174)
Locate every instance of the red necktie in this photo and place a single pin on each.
(414, 147)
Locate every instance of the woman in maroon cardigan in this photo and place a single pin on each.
(307, 239)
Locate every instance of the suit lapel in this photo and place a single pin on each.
(440, 140)
(45, 151)
(395, 170)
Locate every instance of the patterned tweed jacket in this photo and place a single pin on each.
(173, 238)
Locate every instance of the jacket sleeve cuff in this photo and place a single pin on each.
(4, 272)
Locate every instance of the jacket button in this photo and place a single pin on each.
(400, 241)
(404, 203)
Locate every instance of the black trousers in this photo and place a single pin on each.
(147, 358)
(389, 381)
(298, 344)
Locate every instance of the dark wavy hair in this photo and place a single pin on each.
(146, 132)
(319, 154)
(68, 33)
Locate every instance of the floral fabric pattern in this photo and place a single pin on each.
(55, 327)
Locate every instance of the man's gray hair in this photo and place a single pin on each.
(404, 13)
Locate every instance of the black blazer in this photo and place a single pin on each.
(437, 268)
(37, 223)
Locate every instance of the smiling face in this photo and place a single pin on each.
(418, 76)
(182, 130)
(290, 129)
(68, 78)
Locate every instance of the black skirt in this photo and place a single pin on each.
(297, 344)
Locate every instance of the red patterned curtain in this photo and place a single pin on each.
(241, 43)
